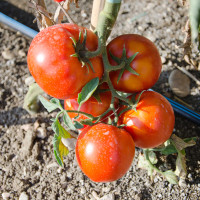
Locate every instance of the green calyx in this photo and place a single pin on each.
(82, 53)
(127, 62)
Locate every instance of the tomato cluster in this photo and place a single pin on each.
(105, 148)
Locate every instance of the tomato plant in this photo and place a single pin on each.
(104, 152)
(146, 65)
(153, 121)
(73, 66)
(52, 65)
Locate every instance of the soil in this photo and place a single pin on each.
(28, 168)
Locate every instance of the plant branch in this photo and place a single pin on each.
(107, 18)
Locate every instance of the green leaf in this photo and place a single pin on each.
(59, 149)
(60, 130)
(78, 125)
(56, 102)
(87, 91)
(194, 12)
(170, 149)
(171, 177)
(68, 122)
(47, 104)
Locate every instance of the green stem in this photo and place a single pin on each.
(146, 155)
(82, 113)
(107, 18)
(91, 54)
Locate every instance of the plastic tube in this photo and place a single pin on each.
(17, 26)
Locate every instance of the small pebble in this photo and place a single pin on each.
(108, 197)
(23, 196)
(8, 55)
(83, 190)
(29, 80)
(179, 83)
(21, 53)
(41, 133)
(5, 195)
(10, 63)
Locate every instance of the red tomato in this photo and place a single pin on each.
(147, 63)
(58, 0)
(104, 152)
(153, 122)
(52, 66)
(91, 106)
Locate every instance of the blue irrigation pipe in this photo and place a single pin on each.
(17, 26)
(178, 108)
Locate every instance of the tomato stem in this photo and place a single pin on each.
(107, 18)
(146, 155)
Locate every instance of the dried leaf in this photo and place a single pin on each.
(181, 168)
(180, 144)
(68, 2)
(171, 176)
(58, 17)
(44, 18)
(152, 157)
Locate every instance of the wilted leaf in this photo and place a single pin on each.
(180, 144)
(171, 177)
(152, 157)
(60, 149)
(181, 168)
(143, 164)
(31, 98)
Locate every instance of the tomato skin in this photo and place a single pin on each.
(153, 122)
(54, 69)
(104, 152)
(147, 63)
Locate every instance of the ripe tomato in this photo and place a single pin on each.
(52, 66)
(91, 106)
(153, 122)
(104, 152)
(147, 63)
